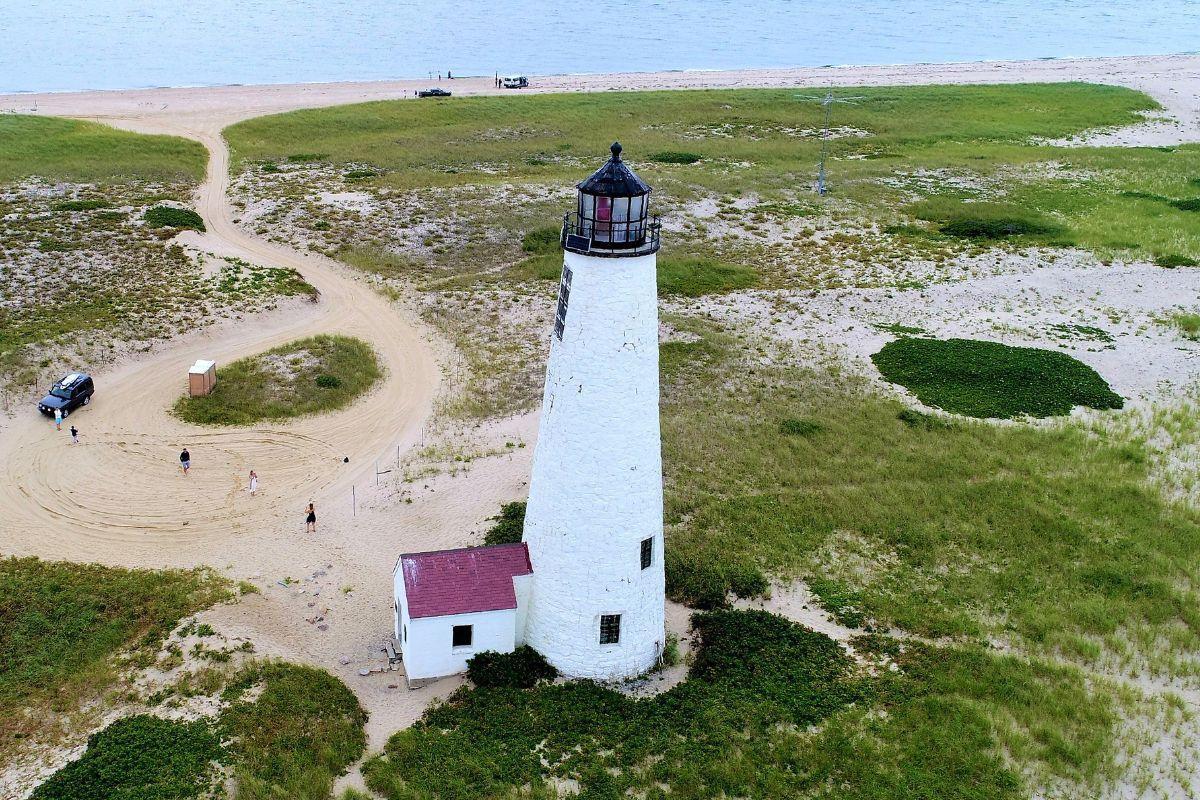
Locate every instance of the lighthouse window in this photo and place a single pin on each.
(610, 628)
(647, 552)
(462, 636)
(564, 296)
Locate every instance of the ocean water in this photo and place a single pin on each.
(54, 45)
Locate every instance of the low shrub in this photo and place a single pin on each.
(328, 381)
(302, 158)
(990, 379)
(510, 525)
(1191, 204)
(141, 758)
(360, 174)
(1173, 260)
(171, 217)
(843, 604)
(675, 157)
(523, 668)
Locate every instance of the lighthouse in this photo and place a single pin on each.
(594, 522)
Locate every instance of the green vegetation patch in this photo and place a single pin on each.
(990, 379)
(984, 220)
(675, 157)
(61, 624)
(287, 381)
(523, 668)
(141, 758)
(1174, 260)
(303, 730)
(769, 709)
(510, 525)
(694, 277)
(171, 217)
(80, 205)
(57, 149)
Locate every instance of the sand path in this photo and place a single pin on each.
(120, 497)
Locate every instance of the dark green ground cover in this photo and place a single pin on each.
(990, 379)
(741, 725)
(171, 217)
(509, 525)
(141, 758)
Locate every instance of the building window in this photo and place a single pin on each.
(564, 297)
(462, 636)
(610, 628)
(647, 552)
(404, 633)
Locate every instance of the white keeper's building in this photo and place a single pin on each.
(587, 582)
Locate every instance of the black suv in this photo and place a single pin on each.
(434, 93)
(68, 394)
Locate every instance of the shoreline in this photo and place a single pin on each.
(1168, 78)
(13, 93)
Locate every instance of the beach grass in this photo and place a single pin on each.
(307, 376)
(63, 624)
(767, 141)
(56, 149)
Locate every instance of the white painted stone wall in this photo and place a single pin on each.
(427, 643)
(596, 489)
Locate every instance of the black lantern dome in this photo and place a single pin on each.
(611, 218)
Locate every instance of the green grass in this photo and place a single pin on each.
(990, 379)
(984, 220)
(58, 149)
(141, 758)
(303, 730)
(1188, 324)
(1047, 537)
(307, 376)
(61, 624)
(695, 277)
(769, 709)
(1124, 200)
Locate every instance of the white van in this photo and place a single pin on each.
(515, 82)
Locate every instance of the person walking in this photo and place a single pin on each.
(58, 419)
(310, 521)
(185, 461)
(253, 483)
(74, 435)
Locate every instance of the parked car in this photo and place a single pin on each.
(68, 394)
(435, 92)
(515, 82)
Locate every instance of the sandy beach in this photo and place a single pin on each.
(120, 500)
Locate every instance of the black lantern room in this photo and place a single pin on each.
(612, 216)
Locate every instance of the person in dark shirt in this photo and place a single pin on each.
(185, 460)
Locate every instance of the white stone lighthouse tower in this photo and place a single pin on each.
(594, 523)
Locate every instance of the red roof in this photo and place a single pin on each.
(463, 581)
